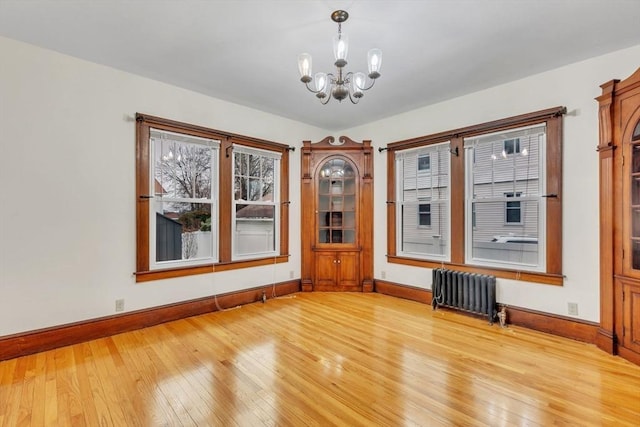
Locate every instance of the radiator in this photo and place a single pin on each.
(470, 292)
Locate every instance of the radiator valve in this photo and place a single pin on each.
(502, 316)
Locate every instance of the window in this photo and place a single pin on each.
(424, 163)
(423, 201)
(255, 201)
(507, 193)
(511, 146)
(512, 214)
(424, 215)
(183, 191)
(500, 210)
(207, 200)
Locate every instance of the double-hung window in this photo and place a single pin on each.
(485, 198)
(207, 200)
(255, 202)
(505, 188)
(422, 177)
(183, 190)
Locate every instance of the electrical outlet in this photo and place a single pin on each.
(291, 274)
(120, 304)
(383, 274)
(572, 308)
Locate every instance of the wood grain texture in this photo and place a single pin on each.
(49, 338)
(562, 326)
(323, 359)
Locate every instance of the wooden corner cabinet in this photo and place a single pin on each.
(337, 215)
(619, 156)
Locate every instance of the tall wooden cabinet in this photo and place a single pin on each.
(337, 215)
(619, 155)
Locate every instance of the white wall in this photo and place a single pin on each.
(67, 186)
(574, 86)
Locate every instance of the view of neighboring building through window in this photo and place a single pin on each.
(207, 200)
(503, 173)
(422, 177)
(183, 171)
(511, 146)
(424, 163)
(484, 197)
(424, 214)
(512, 214)
(255, 202)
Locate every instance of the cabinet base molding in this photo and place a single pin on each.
(367, 286)
(630, 355)
(307, 286)
(606, 340)
(30, 342)
(566, 327)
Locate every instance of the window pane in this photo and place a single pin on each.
(255, 229)
(430, 239)
(493, 240)
(506, 204)
(183, 231)
(424, 201)
(182, 170)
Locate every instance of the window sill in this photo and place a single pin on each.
(525, 276)
(147, 276)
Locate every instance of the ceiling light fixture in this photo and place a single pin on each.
(341, 85)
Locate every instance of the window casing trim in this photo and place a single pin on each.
(552, 117)
(143, 272)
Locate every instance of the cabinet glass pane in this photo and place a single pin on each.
(635, 190)
(635, 222)
(635, 159)
(635, 238)
(324, 186)
(336, 202)
(349, 236)
(635, 256)
(350, 203)
(350, 186)
(323, 219)
(323, 203)
(349, 220)
(336, 219)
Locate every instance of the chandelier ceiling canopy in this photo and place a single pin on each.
(342, 84)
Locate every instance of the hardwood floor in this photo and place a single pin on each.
(323, 359)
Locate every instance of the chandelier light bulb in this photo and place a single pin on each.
(340, 49)
(304, 66)
(321, 81)
(358, 82)
(374, 60)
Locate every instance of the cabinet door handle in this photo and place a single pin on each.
(338, 261)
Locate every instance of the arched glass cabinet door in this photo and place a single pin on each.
(336, 203)
(635, 197)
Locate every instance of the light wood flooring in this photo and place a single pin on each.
(323, 359)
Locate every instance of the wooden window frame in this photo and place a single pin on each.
(225, 198)
(552, 118)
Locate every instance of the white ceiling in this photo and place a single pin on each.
(245, 51)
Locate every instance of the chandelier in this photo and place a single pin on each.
(340, 85)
